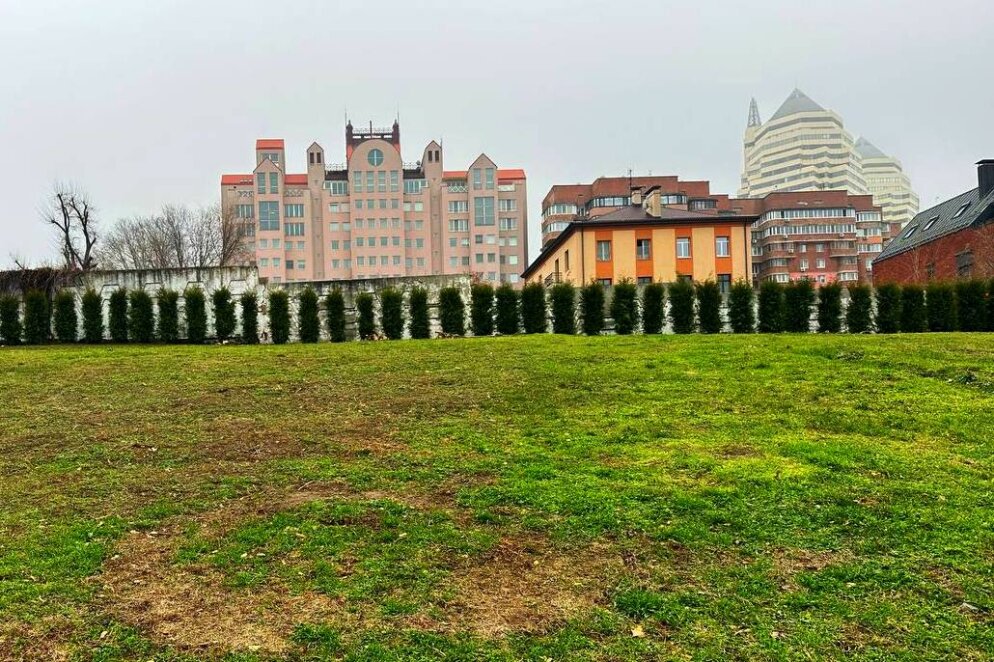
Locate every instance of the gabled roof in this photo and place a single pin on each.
(797, 102)
(868, 150)
(946, 221)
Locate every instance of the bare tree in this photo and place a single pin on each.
(71, 213)
(983, 254)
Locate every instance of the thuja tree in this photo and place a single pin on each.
(64, 316)
(36, 317)
(392, 313)
(830, 308)
(168, 303)
(224, 313)
(250, 318)
(481, 309)
(451, 311)
(365, 316)
(682, 306)
(859, 312)
(10, 320)
(709, 306)
(741, 314)
(563, 303)
(653, 307)
(308, 323)
(913, 316)
(592, 308)
(117, 315)
(508, 317)
(771, 304)
(334, 311)
(799, 297)
(534, 312)
(625, 308)
(971, 305)
(279, 317)
(93, 316)
(888, 308)
(419, 326)
(990, 305)
(940, 307)
(195, 307)
(141, 319)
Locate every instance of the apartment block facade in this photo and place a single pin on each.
(376, 216)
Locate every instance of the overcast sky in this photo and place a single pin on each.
(145, 103)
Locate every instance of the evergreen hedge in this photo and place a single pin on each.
(708, 306)
(562, 301)
(914, 319)
(93, 316)
(141, 319)
(681, 294)
(971, 304)
(196, 315)
(451, 311)
(771, 307)
(508, 317)
(830, 308)
(940, 307)
(990, 305)
(250, 318)
(334, 309)
(888, 308)
(279, 317)
(64, 316)
(798, 298)
(625, 308)
(308, 323)
(859, 313)
(592, 308)
(224, 314)
(117, 315)
(392, 313)
(419, 326)
(36, 317)
(653, 308)
(365, 317)
(741, 314)
(534, 311)
(10, 320)
(481, 309)
(168, 304)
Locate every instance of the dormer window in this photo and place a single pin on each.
(961, 210)
(932, 220)
(910, 231)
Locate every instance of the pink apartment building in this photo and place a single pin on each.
(375, 216)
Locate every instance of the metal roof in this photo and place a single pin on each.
(797, 102)
(941, 220)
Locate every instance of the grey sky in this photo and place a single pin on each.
(144, 103)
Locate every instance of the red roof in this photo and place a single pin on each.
(269, 143)
(296, 180)
(234, 180)
(510, 174)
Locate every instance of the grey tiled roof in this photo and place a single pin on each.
(868, 150)
(946, 221)
(797, 102)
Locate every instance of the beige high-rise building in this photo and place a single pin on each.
(887, 182)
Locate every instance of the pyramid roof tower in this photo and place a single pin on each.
(797, 102)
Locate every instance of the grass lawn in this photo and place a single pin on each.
(541, 498)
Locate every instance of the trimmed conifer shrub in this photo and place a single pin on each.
(365, 316)
(859, 312)
(308, 322)
(741, 314)
(195, 308)
(508, 317)
(36, 317)
(250, 318)
(141, 319)
(392, 313)
(830, 308)
(940, 307)
(224, 314)
(93, 316)
(798, 298)
(971, 304)
(771, 307)
(167, 327)
(64, 316)
(279, 317)
(562, 300)
(334, 310)
(990, 305)
(419, 326)
(708, 306)
(682, 306)
(625, 308)
(481, 309)
(10, 320)
(117, 315)
(653, 308)
(451, 311)
(592, 308)
(914, 319)
(534, 310)
(889, 308)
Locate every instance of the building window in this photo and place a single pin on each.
(370, 176)
(357, 181)
(721, 248)
(477, 179)
(603, 251)
(959, 212)
(289, 264)
(683, 247)
(643, 250)
(375, 158)
(606, 282)
(260, 180)
(820, 263)
(414, 186)
(964, 264)
(381, 182)
(394, 181)
(269, 216)
(508, 224)
(293, 230)
(245, 211)
(293, 211)
(644, 280)
(932, 220)
(458, 206)
(459, 225)
(483, 211)
(272, 156)
(508, 205)
(819, 248)
(274, 182)
(725, 283)
(490, 178)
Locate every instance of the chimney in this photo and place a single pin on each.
(637, 195)
(985, 176)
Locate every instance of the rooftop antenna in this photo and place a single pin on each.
(754, 113)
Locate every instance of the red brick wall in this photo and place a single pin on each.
(912, 266)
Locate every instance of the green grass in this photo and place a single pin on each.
(762, 497)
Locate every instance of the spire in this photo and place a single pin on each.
(754, 113)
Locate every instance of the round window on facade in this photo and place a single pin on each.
(375, 158)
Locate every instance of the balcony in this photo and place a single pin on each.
(554, 278)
